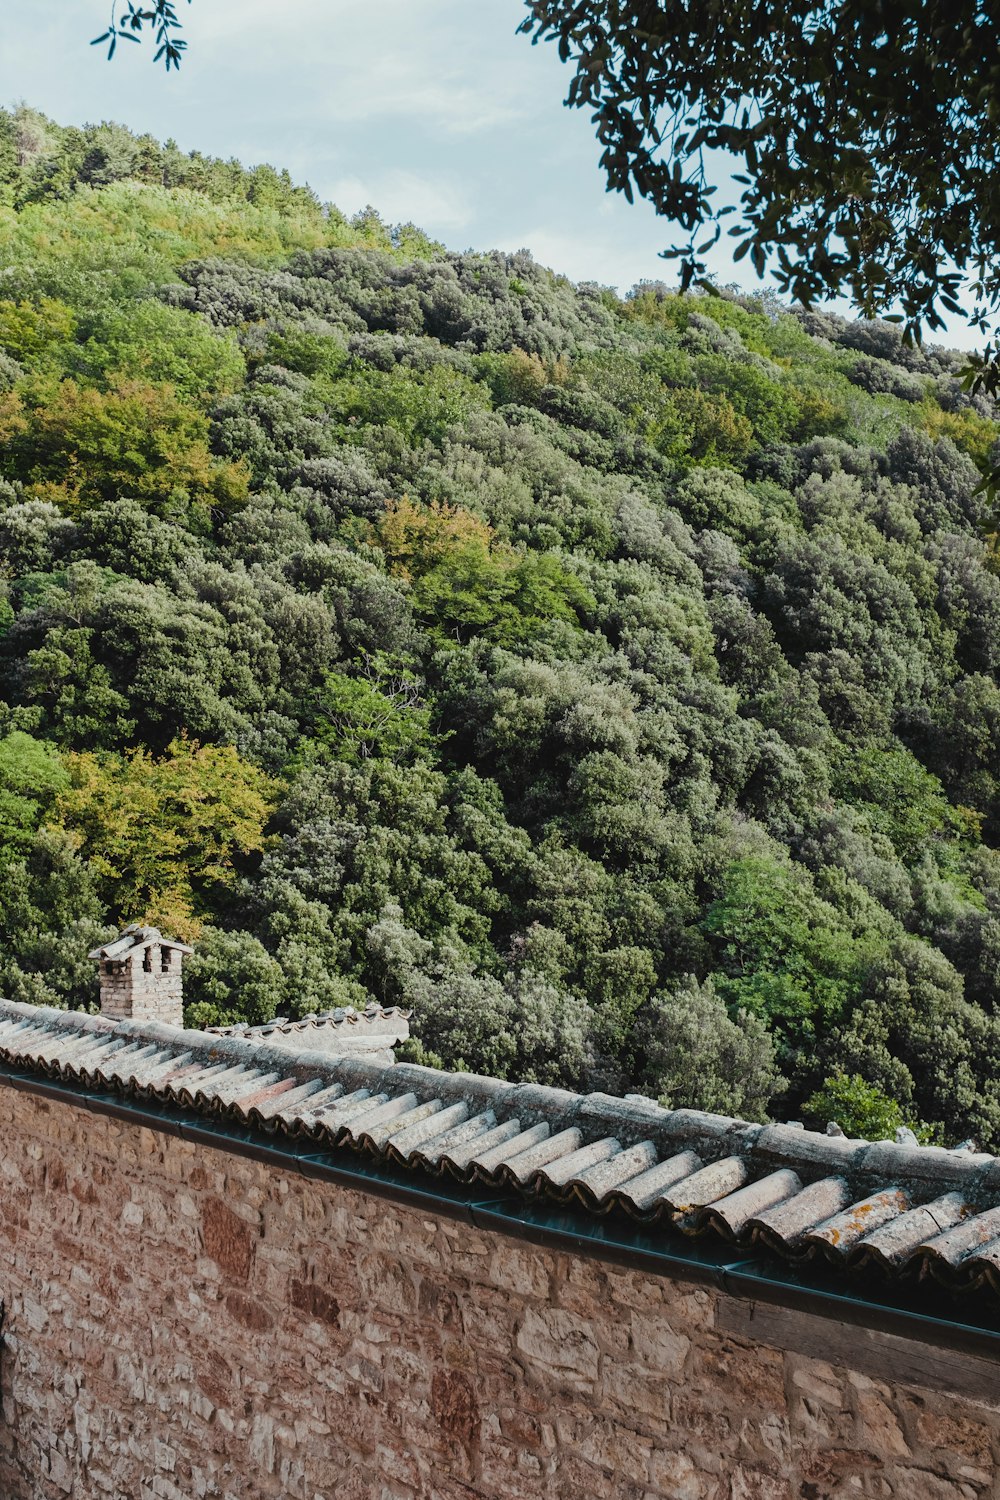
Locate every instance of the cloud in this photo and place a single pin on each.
(388, 60)
(585, 256)
(402, 197)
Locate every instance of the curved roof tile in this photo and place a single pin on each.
(378, 1019)
(894, 1209)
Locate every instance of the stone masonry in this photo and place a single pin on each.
(140, 976)
(184, 1322)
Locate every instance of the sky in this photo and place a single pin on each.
(434, 111)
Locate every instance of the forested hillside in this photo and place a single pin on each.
(612, 681)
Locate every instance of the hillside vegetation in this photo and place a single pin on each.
(612, 681)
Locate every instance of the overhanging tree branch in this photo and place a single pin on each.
(863, 137)
(130, 25)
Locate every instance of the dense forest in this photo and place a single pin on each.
(613, 681)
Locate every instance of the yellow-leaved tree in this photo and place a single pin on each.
(78, 446)
(163, 835)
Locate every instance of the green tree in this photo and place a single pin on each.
(851, 163)
(786, 954)
(50, 917)
(231, 977)
(694, 1056)
(379, 715)
(859, 1108)
(523, 1026)
(150, 342)
(31, 774)
(465, 582)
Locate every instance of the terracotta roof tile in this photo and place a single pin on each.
(376, 1020)
(785, 1225)
(894, 1209)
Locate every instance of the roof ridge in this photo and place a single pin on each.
(286, 1025)
(630, 1119)
(760, 1185)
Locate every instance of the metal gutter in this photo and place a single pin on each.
(613, 1238)
(751, 1279)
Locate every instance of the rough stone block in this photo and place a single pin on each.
(560, 1346)
(656, 1345)
(672, 1472)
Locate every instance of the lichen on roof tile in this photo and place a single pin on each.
(895, 1209)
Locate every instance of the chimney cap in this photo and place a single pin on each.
(136, 939)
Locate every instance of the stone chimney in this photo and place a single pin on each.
(140, 973)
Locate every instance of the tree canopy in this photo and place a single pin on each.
(863, 139)
(615, 681)
(849, 148)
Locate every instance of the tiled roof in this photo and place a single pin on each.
(896, 1209)
(376, 1020)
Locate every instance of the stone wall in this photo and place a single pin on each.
(183, 1322)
